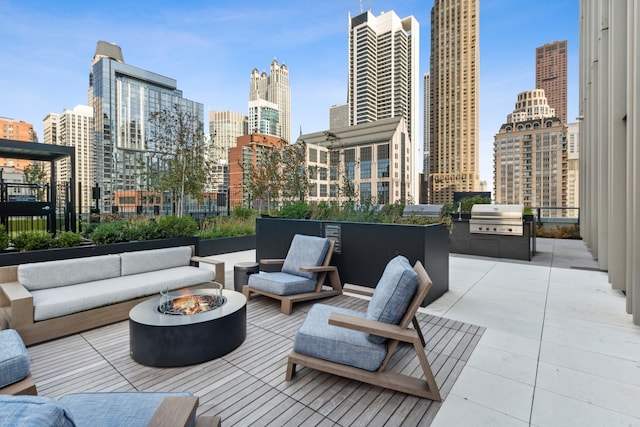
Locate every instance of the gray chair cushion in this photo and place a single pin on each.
(129, 409)
(317, 338)
(392, 294)
(279, 283)
(305, 251)
(14, 360)
(51, 274)
(34, 411)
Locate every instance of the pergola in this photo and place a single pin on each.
(45, 153)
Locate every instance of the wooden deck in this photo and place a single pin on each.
(248, 387)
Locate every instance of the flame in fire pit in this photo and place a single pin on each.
(190, 303)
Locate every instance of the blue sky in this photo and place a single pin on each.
(210, 48)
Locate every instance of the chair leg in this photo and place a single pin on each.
(246, 292)
(286, 306)
(291, 370)
(416, 326)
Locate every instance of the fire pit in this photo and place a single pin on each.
(187, 327)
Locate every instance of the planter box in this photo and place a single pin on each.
(461, 241)
(362, 250)
(225, 245)
(16, 258)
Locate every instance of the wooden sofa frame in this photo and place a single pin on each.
(425, 388)
(16, 308)
(287, 301)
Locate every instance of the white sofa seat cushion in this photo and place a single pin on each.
(50, 303)
(154, 259)
(51, 274)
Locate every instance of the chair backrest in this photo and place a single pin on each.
(306, 251)
(392, 294)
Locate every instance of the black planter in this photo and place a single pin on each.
(362, 250)
(17, 258)
(226, 245)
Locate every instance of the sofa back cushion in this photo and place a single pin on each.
(33, 411)
(392, 294)
(52, 274)
(154, 259)
(305, 251)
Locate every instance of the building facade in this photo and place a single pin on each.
(551, 75)
(74, 128)
(243, 158)
(530, 157)
(573, 167)
(366, 163)
(273, 87)
(225, 127)
(609, 114)
(264, 118)
(454, 115)
(16, 130)
(124, 98)
(426, 138)
(384, 74)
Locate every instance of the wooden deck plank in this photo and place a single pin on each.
(248, 386)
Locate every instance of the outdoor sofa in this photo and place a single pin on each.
(51, 299)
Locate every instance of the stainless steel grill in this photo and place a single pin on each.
(496, 219)
(429, 211)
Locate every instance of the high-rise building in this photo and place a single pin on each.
(339, 116)
(530, 157)
(426, 137)
(573, 167)
(225, 127)
(455, 79)
(551, 75)
(384, 75)
(264, 118)
(124, 98)
(274, 87)
(16, 130)
(74, 128)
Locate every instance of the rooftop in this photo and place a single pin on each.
(513, 343)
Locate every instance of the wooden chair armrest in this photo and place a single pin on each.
(18, 302)
(357, 289)
(175, 411)
(270, 261)
(208, 421)
(319, 268)
(219, 267)
(374, 327)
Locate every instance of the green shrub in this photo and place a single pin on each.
(243, 213)
(110, 232)
(67, 239)
(297, 210)
(217, 227)
(4, 238)
(32, 240)
(175, 226)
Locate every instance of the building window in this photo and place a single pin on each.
(383, 161)
(350, 163)
(365, 162)
(313, 155)
(383, 193)
(365, 192)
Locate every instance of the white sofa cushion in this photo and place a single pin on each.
(50, 303)
(154, 259)
(50, 274)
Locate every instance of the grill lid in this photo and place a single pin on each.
(496, 212)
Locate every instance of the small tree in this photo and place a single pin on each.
(34, 174)
(178, 155)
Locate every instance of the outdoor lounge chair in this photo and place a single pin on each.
(359, 345)
(302, 275)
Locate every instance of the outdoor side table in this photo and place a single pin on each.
(241, 273)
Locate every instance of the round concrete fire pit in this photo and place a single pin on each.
(164, 340)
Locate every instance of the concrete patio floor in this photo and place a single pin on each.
(559, 348)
